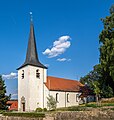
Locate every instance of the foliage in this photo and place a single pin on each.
(107, 92)
(3, 98)
(38, 110)
(94, 75)
(97, 91)
(32, 115)
(2, 111)
(44, 109)
(107, 50)
(51, 103)
(103, 73)
(96, 87)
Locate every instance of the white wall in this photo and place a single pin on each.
(62, 98)
(31, 88)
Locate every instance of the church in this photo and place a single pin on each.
(34, 86)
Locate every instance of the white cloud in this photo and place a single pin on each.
(59, 47)
(63, 59)
(47, 65)
(14, 95)
(12, 75)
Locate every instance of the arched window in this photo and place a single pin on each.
(37, 74)
(68, 97)
(22, 74)
(77, 97)
(57, 97)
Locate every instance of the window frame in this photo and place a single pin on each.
(22, 75)
(57, 94)
(37, 74)
(67, 97)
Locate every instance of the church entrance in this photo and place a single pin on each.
(23, 103)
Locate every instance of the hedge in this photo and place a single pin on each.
(24, 114)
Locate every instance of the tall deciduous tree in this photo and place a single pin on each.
(3, 98)
(107, 50)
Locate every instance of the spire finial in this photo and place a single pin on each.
(31, 17)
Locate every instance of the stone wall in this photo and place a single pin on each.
(85, 115)
(95, 114)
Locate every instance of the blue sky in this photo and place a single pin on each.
(74, 22)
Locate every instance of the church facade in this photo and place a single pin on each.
(34, 86)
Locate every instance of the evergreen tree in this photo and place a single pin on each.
(107, 51)
(3, 98)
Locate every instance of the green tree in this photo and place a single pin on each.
(3, 98)
(94, 75)
(107, 50)
(97, 91)
(51, 103)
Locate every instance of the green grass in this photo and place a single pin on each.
(91, 105)
(107, 104)
(72, 108)
(94, 105)
(24, 114)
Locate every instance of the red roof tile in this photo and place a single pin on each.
(61, 84)
(13, 104)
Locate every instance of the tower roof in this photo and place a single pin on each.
(31, 55)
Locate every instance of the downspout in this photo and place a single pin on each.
(43, 88)
(65, 99)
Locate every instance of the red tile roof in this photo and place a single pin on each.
(13, 104)
(61, 84)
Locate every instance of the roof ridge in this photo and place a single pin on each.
(63, 78)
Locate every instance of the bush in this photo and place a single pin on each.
(112, 108)
(38, 110)
(2, 111)
(45, 110)
(51, 102)
(32, 115)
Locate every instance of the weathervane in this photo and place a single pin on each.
(31, 17)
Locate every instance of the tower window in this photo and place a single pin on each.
(37, 74)
(22, 74)
(56, 97)
(68, 97)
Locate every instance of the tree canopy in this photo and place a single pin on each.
(103, 73)
(107, 49)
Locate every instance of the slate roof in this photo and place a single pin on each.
(61, 84)
(31, 55)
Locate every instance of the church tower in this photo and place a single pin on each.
(31, 78)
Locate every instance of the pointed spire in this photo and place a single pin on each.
(31, 55)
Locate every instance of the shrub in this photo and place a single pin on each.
(38, 110)
(2, 111)
(112, 108)
(51, 102)
(45, 109)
